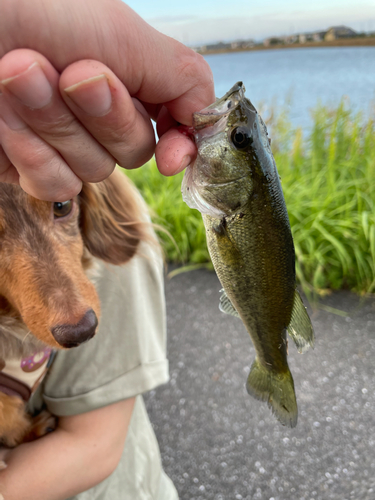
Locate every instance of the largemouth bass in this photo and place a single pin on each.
(234, 183)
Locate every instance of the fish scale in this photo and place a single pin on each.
(234, 183)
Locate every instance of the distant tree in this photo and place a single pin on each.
(275, 41)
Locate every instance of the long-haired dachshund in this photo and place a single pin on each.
(47, 300)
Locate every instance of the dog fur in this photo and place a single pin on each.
(46, 296)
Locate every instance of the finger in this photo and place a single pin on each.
(103, 105)
(153, 110)
(8, 173)
(164, 121)
(42, 171)
(153, 67)
(188, 88)
(30, 84)
(174, 152)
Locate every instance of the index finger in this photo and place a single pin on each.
(154, 68)
(184, 86)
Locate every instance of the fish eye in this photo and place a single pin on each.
(62, 208)
(241, 138)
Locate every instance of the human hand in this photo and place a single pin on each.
(80, 96)
(3, 455)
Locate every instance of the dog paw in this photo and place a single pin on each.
(14, 422)
(42, 424)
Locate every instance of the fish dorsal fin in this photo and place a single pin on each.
(300, 327)
(226, 306)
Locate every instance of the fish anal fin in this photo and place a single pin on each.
(277, 389)
(300, 327)
(226, 306)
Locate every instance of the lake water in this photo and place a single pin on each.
(303, 76)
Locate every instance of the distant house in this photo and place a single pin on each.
(306, 37)
(318, 36)
(339, 32)
(246, 44)
(225, 47)
(291, 39)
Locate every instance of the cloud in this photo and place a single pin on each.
(194, 30)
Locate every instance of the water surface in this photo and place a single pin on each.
(304, 76)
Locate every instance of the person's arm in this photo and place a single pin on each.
(113, 72)
(83, 451)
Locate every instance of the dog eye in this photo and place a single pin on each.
(62, 208)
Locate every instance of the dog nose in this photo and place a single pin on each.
(74, 335)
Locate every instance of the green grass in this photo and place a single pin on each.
(163, 195)
(328, 179)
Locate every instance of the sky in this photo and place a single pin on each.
(197, 22)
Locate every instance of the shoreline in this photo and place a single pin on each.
(354, 42)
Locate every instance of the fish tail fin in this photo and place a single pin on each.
(275, 388)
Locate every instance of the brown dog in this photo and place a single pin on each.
(46, 296)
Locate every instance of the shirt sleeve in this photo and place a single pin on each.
(127, 356)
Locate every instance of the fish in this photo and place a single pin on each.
(235, 185)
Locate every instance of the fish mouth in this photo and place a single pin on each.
(220, 108)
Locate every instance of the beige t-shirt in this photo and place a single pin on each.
(126, 358)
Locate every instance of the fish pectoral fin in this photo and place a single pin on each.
(226, 306)
(277, 389)
(300, 327)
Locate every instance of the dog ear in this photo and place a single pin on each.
(111, 219)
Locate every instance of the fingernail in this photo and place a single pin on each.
(93, 95)
(186, 160)
(30, 87)
(9, 116)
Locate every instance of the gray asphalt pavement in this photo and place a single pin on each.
(219, 443)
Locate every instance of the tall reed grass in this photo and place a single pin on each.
(328, 179)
